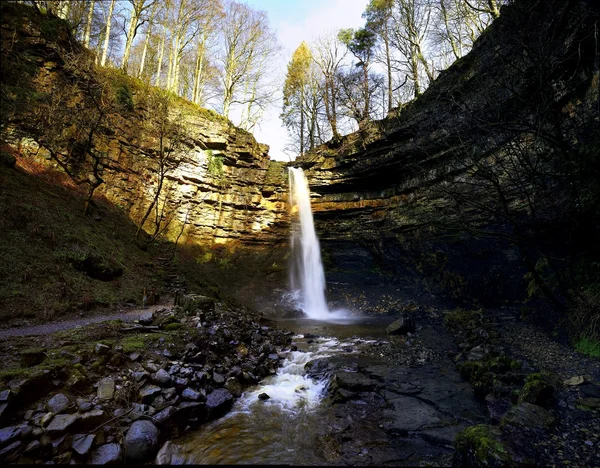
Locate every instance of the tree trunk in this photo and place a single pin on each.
(160, 58)
(130, 36)
(107, 38)
(88, 25)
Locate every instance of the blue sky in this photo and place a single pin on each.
(295, 21)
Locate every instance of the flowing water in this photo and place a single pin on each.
(285, 428)
(306, 275)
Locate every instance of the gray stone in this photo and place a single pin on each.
(169, 454)
(218, 402)
(191, 394)
(165, 416)
(61, 423)
(406, 414)
(59, 403)
(218, 378)
(148, 392)
(528, 415)
(146, 318)
(106, 389)
(32, 447)
(234, 387)
(91, 419)
(135, 356)
(61, 444)
(162, 377)
(102, 349)
(141, 441)
(12, 452)
(354, 381)
(82, 443)
(5, 395)
(107, 454)
(9, 434)
(46, 419)
(401, 326)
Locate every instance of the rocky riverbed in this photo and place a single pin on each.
(152, 391)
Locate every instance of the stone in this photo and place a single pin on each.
(400, 326)
(12, 452)
(263, 396)
(234, 387)
(148, 392)
(405, 414)
(218, 378)
(107, 454)
(193, 302)
(527, 415)
(218, 402)
(9, 434)
(191, 394)
(146, 318)
(61, 422)
(5, 395)
(165, 416)
(82, 443)
(135, 356)
(169, 454)
(102, 349)
(141, 441)
(84, 405)
(162, 377)
(91, 419)
(59, 403)
(61, 444)
(46, 419)
(32, 447)
(354, 381)
(106, 389)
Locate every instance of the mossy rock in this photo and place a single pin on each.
(481, 445)
(461, 319)
(478, 375)
(539, 390)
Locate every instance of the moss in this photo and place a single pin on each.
(479, 446)
(537, 390)
(172, 326)
(588, 346)
(459, 319)
(137, 342)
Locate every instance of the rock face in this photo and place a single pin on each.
(225, 188)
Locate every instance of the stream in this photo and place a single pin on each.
(371, 399)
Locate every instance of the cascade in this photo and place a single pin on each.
(306, 275)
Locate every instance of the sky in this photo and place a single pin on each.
(295, 21)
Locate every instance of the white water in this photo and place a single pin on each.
(306, 275)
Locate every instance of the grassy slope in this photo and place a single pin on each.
(44, 237)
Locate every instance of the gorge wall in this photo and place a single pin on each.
(388, 197)
(224, 189)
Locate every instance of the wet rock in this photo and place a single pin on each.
(164, 417)
(61, 444)
(218, 378)
(135, 356)
(218, 402)
(162, 377)
(148, 392)
(169, 454)
(527, 415)
(61, 422)
(106, 389)
(406, 414)
(58, 403)
(193, 302)
(354, 381)
(497, 407)
(401, 326)
(151, 367)
(33, 447)
(181, 382)
(12, 452)
(107, 454)
(82, 443)
(263, 396)
(539, 390)
(141, 441)
(190, 394)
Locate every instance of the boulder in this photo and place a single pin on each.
(527, 415)
(480, 445)
(141, 441)
(58, 403)
(11, 453)
(148, 392)
(191, 394)
(218, 402)
(162, 377)
(193, 302)
(107, 454)
(9, 434)
(61, 422)
(82, 443)
(401, 326)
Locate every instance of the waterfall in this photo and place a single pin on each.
(306, 274)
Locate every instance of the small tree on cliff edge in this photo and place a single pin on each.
(165, 132)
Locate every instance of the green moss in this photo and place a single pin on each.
(172, 326)
(588, 346)
(479, 446)
(460, 319)
(537, 390)
(137, 342)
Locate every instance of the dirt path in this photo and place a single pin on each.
(45, 329)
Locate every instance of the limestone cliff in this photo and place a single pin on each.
(224, 190)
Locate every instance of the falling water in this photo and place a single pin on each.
(306, 274)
